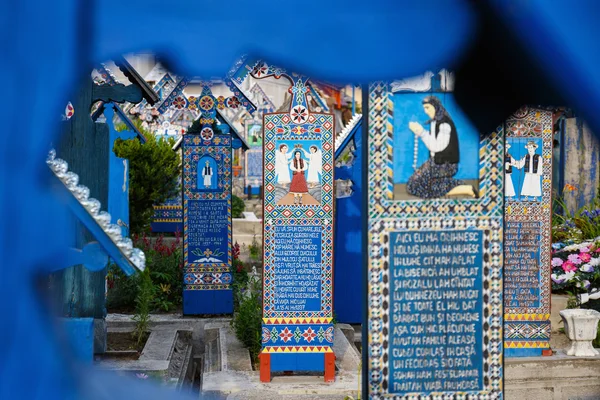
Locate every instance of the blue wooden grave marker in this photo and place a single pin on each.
(528, 230)
(207, 223)
(435, 262)
(86, 146)
(168, 216)
(348, 280)
(297, 330)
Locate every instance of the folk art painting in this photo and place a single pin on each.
(207, 224)
(435, 223)
(431, 148)
(299, 168)
(297, 330)
(528, 241)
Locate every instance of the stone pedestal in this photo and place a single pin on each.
(581, 327)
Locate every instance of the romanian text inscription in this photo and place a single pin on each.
(208, 229)
(297, 268)
(436, 311)
(522, 275)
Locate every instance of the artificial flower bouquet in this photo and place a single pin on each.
(576, 267)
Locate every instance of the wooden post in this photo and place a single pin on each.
(265, 367)
(329, 367)
(249, 188)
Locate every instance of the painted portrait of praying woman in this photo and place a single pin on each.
(435, 177)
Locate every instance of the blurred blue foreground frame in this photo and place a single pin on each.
(65, 37)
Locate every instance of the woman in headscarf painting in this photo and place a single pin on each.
(435, 178)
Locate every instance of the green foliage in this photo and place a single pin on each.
(154, 170)
(122, 289)
(142, 305)
(237, 206)
(166, 272)
(247, 318)
(255, 249)
(240, 282)
(247, 324)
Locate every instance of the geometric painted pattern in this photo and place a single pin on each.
(533, 123)
(215, 275)
(386, 215)
(297, 335)
(534, 331)
(287, 329)
(164, 213)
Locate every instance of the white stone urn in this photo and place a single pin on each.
(581, 326)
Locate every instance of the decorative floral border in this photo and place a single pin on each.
(280, 126)
(386, 215)
(533, 123)
(198, 276)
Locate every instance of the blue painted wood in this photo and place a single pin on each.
(198, 302)
(222, 302)
(163, 227)
(92, 226)
(79, 333)
(92, 257)
(118, 170)
(580, 157)
(522, 352)
(207, 223)
(298, 362)
(348, 281)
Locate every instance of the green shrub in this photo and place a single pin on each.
(144, 297)
(122, 290)
(237, 206)
(247, 317)
(255, 250)
(165, 263)
(154, 171)
(247, 322)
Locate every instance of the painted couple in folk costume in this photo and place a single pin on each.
(531, 164)
(305, 172)
(435, 177)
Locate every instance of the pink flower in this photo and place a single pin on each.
(584, 250)
(568, 266)
(557, 262)
(574, 258)
(585, 257)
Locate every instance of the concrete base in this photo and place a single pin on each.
(235, 379)
(559, 303)
(166, 355)
(559, 377)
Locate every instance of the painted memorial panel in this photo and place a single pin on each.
(297, 332)
(528, 214)
(435, 250)
(254, 156)
(207, 223)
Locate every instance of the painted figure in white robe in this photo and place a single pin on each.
(207, 173)
(282, 160)
(315, 165)
(509, 162)
(532, 164)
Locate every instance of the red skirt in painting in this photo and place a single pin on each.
(298, 183)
